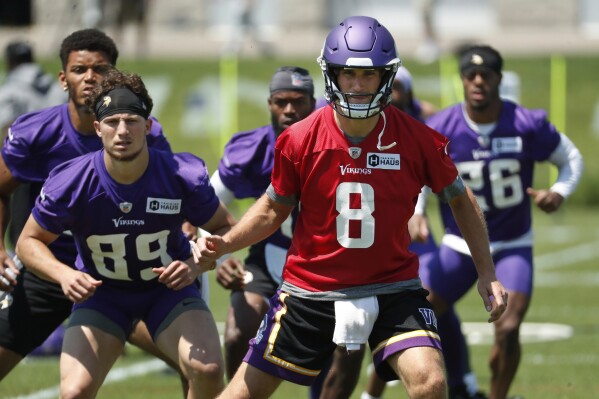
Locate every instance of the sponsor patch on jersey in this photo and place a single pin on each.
(163, 206)
(355, 152)
(506, 144)
(377, 160)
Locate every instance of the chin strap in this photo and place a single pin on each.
(379, 145)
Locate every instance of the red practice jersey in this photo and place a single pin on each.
(356, 200)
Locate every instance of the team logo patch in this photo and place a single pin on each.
(355, 152)
(377, 160)
(126, 207)
(163, 205)
(506, 144)
(106, 101)
(429, 316)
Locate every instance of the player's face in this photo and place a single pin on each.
(123, 135)
(359, 81)
(481, 88)
(287, 107)
(84, 71)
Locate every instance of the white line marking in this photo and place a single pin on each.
(118, 374)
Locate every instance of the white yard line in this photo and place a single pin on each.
(118, 374)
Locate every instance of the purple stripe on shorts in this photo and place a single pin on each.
(405, 341)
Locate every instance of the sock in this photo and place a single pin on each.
(366, 395)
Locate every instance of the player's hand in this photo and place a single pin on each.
(8, 272)
(494, 297)
(231, 274)
(418, 228)
(548, 201)
(206, 250)
(78, 286)
(178, 274)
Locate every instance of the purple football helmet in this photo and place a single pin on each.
(359, 42)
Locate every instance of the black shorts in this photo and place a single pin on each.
(37, 309)
(295, 338)
(261, 282)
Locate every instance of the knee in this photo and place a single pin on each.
(508, 336)
(429, 384)
(205, 372)
(69, 390)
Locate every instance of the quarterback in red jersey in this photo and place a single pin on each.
(354, 169)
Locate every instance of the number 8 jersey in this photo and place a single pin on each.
(356, 199)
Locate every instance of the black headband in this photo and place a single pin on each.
(120, 100)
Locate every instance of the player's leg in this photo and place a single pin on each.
(246, 310)
(192, 340)
(422, 372)
(448, 276)
(250, 382)
(374, 387)
(88, 353)
(35, 310)
(294, 343)
(141, 338)
(514, 270)
(344, 374)
(243, 320)
(405, 343)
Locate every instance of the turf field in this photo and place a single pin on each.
(200, 109)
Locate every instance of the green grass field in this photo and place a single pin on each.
(199, 112)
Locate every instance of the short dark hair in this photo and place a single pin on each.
(91, 40)
(18, 52)
(119, 79)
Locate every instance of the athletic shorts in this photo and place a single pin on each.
(117, 310)
(261, 282)
(451, 274)
(38, 308)
(295, 339)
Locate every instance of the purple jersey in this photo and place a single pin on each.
(245, 170)
(41, 140)
(122, 231)
(498, 169)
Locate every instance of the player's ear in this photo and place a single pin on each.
(148, 126)
(97, 127)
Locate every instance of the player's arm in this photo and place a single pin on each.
(8, 184)
(418, 223)
(263, 218)
(569, 164)
(32, 249)
(471, 222)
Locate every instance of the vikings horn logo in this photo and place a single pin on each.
(106, 101)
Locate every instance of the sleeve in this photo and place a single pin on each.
(246, 164)
(202, 201)
(285, 177)
(569, 163)
(53, 205)
(440, 169)
(222, 192)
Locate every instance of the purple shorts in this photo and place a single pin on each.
(117, 310)
(451, 274)
(295, 340)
